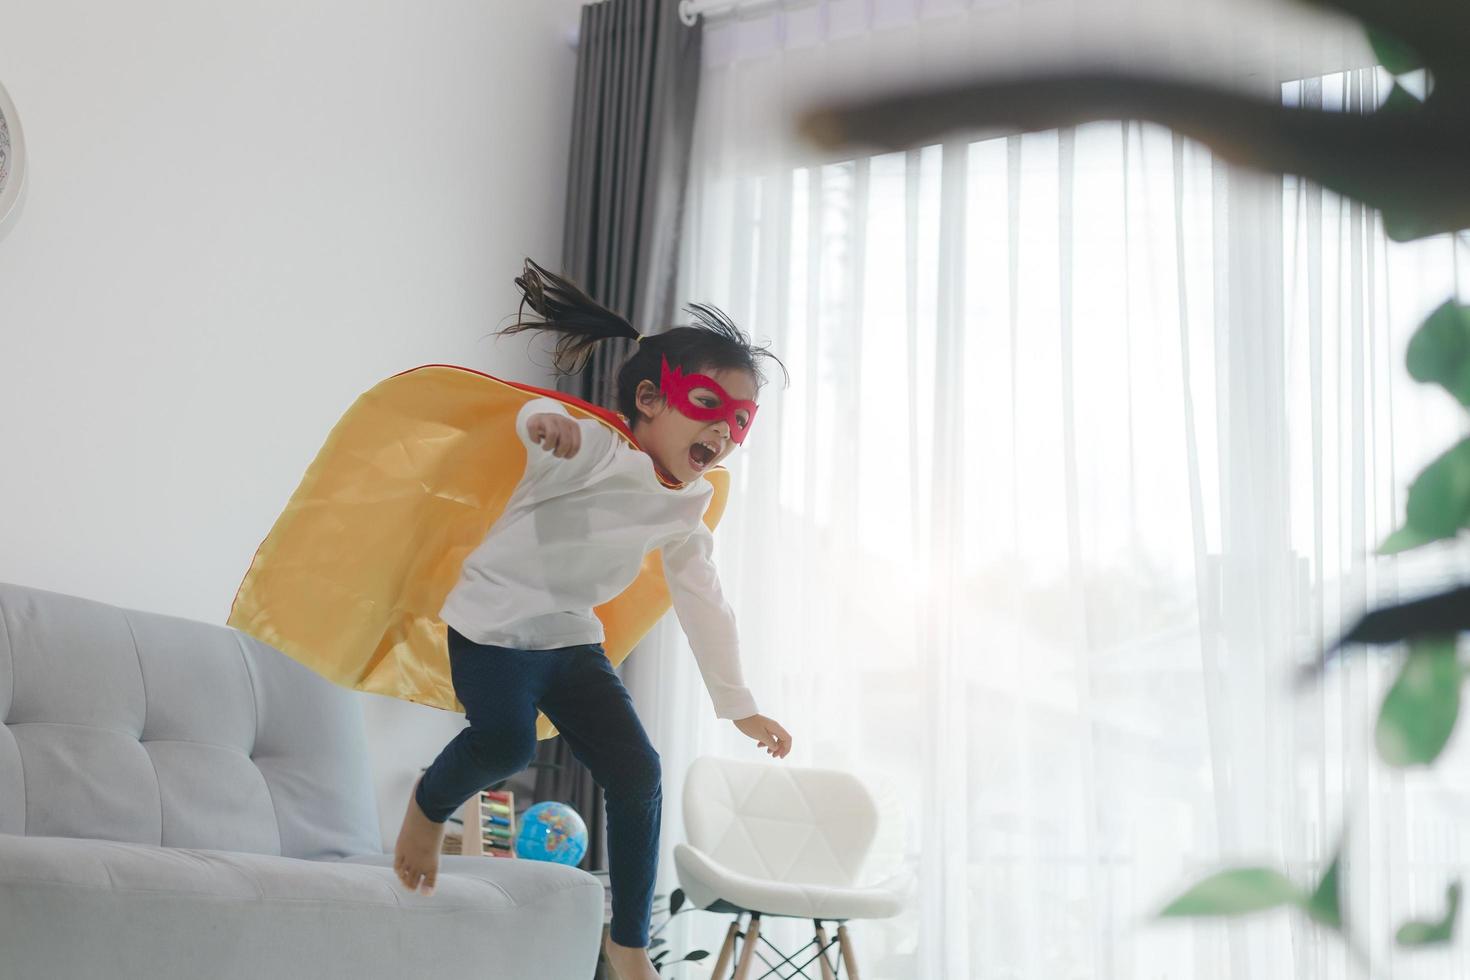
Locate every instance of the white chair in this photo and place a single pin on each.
(776, 840)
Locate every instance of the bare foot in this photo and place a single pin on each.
(629, 962)
(416, 855)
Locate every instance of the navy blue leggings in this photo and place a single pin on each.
(501, 689)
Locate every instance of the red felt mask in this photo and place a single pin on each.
(676, 388)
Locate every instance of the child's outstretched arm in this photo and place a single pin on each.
(709, 622)
(551, 435)
(768, 732)
(557, 434)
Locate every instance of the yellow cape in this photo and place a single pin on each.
(352, 576)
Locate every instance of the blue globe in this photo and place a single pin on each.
(552, 832)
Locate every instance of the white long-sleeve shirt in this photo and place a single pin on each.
(573, 536)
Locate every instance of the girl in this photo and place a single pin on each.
(522, 634)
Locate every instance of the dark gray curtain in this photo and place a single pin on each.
(632, 128)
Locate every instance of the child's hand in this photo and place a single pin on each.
(555, 433)
(768, 732)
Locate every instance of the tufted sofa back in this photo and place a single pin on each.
(137, 727)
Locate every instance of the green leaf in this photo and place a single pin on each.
(1402, 223)
(1439, 351)
(1400, 99)
(697, 955)
(1325, 905)
(1419, 711)
(1417, 932)
(1404, 539)
(676, 901)
(1393, 54)
(1439, 498)
(1236, 892)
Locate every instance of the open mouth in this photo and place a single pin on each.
(701, 455)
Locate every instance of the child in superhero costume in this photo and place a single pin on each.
(593, 501)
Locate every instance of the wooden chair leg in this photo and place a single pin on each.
(747, 949)
(726, 951)
(822, 949)
(849, 958)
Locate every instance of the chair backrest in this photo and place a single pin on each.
(132, 726)
(779, 822)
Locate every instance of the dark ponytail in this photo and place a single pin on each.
(562, 308)
(713, 341)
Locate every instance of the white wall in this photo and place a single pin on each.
(239, 217)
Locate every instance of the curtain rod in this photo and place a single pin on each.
(691, 10)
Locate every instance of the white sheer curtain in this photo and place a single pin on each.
(1089, 439)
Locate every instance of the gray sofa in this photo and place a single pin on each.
(178, 800)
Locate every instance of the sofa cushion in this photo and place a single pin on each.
(105, 908)
(142, 728)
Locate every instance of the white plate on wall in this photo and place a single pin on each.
(12, 163)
